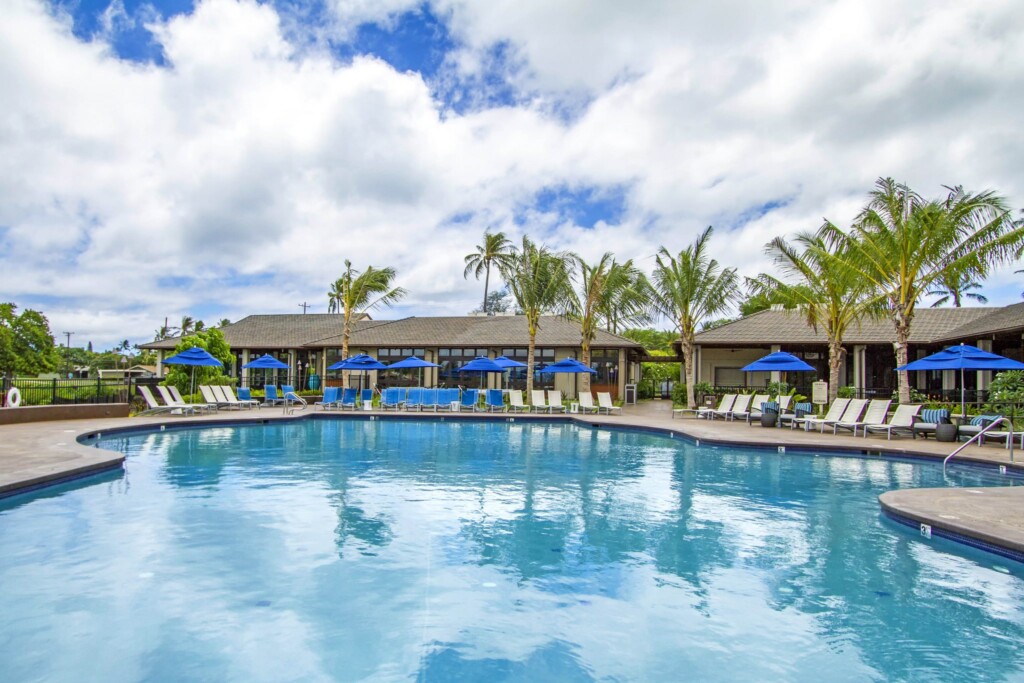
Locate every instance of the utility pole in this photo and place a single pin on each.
(67, 352)
(304, 306)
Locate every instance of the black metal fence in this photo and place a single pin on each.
(44, 392)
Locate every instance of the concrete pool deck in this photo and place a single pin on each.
(42, 453)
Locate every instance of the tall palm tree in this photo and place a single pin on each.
(902, 244)
(540, 282)
(187, 325)
(494, 251)
(688, 288)
(355, 293)
(829, 293)
(223, 322)
(609, 291)
(955, 286)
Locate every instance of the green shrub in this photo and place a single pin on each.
(846, 392)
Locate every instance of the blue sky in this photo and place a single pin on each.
(223, 158)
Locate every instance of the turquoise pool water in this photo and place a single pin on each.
(345, 550)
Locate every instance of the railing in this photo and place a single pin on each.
(56, 391)
(980, 435)
(291, 397)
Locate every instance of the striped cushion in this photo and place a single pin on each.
(982, 420)
(770, 407)
(934, 415)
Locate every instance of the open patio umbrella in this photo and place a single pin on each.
(568, 365)
(265, 362)
(506, 365)
(194, 357)
(358, 363)
(482, 365)
(963, 357)
(780, 361)
(411, 363)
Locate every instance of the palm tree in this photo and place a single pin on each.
(187, 325)
(494, 251)
(688, 288)
(609, 291)
(540, 282)
(355, 293)
(955, 286)
(902, 245)
(223, 322)
(830, 294)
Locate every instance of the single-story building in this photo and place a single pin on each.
(870, 360)
(309, 343)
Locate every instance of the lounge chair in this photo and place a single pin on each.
(739, 406)
(176, 395)
(801, 410)
(604, 402)
(447, 398)
(428, 399)
(854, 409)
(366, 396)
(784, 402)
(1005, 435)
(271, 397)
(876, 412)
(901, 422)
(329, 400)
(246, 402)
(154, 407)
(538, 402)
(835, 412)
(414, 399)
(244, 394)
(515, 401)
(555, 401)
(470, 397)
(495, 401)
(348, 398)
(974, 427)
(229, 397)
(393, 397)
(212, 398)
(587, 402)
(724, 406)
(752, 410)
(928, 421)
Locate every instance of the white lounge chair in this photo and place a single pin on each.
(538, 403)
(724, 406)
(555, 401)
(753, 409)
(176, 395)
(587, 402)
(515, 401)
(854, 409)
(211, 398)
(229, 393)
(604, 402)
(154, 407)
(876, 412)
(835, 412)
(902, 421)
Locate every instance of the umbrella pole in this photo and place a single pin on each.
(963, 404)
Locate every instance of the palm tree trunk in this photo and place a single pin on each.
(529, 361)
(901, 346)
(835, 359)
(344, 347)
(686, 346)
(487, 282)
(585, 359)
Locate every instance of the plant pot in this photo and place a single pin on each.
(769, 419)
(945, 432)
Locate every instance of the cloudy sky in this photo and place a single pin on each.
(224, 157)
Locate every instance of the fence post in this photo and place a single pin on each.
(53, 392)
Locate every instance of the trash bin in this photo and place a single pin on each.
(630, 397)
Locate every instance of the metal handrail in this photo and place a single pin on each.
(292, 396)
(979, 435)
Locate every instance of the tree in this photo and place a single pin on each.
(607, 289)
(498, 301)
(689, 288)
(494, 251)
(26, 343)
(213, 341)
(761, 301)
(223, 322)
(187, 325)
(955, 286)
(539, 281)
(903, 244)
(828, 293)
(652, 340)
(355, 293)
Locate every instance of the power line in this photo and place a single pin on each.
(304, 306)
(67, 352)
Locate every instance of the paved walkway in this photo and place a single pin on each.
(44, 452)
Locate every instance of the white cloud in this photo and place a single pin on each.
(251, 166)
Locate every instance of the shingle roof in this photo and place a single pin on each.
(997, 320)
(790, 327)
(321, 330)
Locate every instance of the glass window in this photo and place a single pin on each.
(606, 362)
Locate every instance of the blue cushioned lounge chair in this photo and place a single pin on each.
(348, 399)
(272, 398)
(495, 401)
(330, 399)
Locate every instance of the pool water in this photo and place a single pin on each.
(352, 550)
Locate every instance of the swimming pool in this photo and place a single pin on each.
(325, 550)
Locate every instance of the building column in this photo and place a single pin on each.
(291, 367)
(776, 376)
(984, 376)
(697, 363)
(243, 381)
(160, 363)
(859, 351)
(623, 372)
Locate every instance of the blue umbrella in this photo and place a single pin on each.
(963, 357)
(195, 357)
(568, 365)
(481, 364)
(266, 362)
(780, 361)
(412, 362)
(358, 363)
(508, 364)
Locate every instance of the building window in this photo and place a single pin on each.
(606, 362)
(453, 358)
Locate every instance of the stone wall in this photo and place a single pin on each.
(80, 411)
